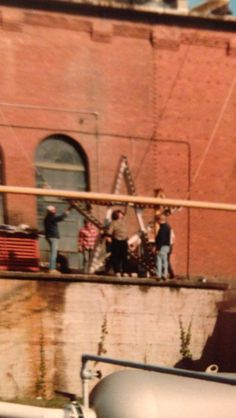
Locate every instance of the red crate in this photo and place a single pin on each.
(19, 251)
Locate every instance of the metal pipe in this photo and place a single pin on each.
(11, 410)
(167, 370)
(102, 198)
(49, 109)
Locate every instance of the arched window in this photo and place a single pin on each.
(61, 164)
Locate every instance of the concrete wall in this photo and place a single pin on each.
(164, 96)
(46, 326)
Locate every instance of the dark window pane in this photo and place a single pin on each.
(58, 150)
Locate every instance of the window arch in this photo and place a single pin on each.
(60, 163)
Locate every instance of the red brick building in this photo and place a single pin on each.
(82, 85)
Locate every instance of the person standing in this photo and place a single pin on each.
(170, 267)
(86, 242)
(52, 234)
(118, 235)
(162, 241)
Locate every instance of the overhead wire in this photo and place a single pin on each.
(162, 113)
(19, 144)
(212, 136)
(211, 139)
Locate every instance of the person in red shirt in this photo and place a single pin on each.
(86, 242)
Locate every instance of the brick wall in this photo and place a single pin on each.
(164, 97)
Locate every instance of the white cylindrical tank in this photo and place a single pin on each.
(146, 394)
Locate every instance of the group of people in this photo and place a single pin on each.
(116, 237)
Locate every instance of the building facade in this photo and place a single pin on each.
(83, 85)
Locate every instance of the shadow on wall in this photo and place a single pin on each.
(220, 348)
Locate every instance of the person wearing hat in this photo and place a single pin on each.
(52, 234)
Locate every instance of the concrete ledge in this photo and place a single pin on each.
(180, 282)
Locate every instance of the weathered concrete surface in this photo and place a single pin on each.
(45, 327)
